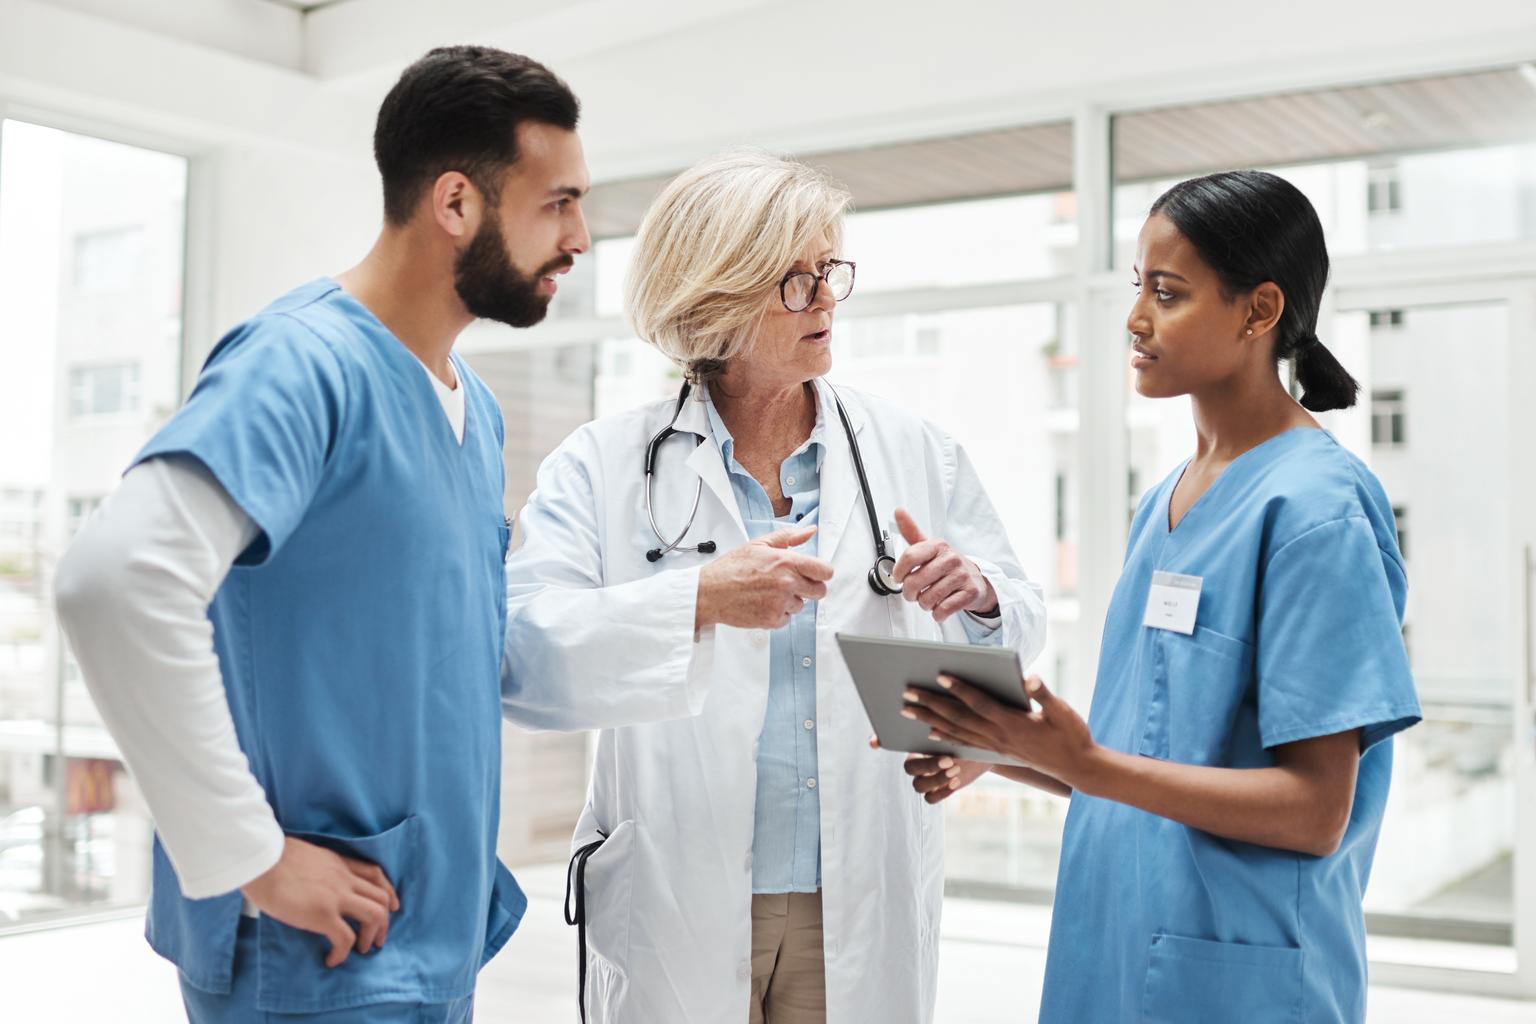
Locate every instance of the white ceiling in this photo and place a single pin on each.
(1443, 112)
(361, 45)
(1353, 122)
(304, 5)
(1033, 158)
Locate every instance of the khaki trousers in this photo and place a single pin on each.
(789, 982)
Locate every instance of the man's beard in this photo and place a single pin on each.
(492, 288)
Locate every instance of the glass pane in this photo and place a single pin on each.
(982, 241)
(969, 371)
(544, 394)
(1435, 431)
(91, 266)
(1438, 161)
(610, 259)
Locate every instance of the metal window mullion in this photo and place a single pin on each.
(1102, 447)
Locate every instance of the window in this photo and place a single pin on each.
(1389, 414)
(1358, 152)
(1400, 517)
(78, 511)
(103, 390)
(1384, 190)
(108, 259)
(1061, 506)
(929, 340)
(1384, 318)
(91, 274)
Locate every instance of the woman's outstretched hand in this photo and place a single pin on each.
(1050, 737)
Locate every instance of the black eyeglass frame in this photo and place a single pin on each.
(816, 283)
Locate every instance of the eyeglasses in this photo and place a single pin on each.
(798, 289)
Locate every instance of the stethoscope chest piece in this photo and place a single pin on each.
(882, 578)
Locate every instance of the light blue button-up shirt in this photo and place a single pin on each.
(786, 838)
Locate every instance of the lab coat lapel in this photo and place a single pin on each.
(840, 495)
(705, 460)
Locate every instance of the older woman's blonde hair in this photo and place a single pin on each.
(714, 246)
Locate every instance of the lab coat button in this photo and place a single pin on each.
(749, 862)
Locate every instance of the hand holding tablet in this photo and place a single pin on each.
(884, 668)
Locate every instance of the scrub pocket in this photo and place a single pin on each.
(1198, 687)
(1197, 981)
(291, 973)
(508, 905)
(504, 536)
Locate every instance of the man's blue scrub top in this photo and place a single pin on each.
(360, 641)
(1298, 635)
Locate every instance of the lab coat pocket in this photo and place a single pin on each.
(1198, 981)
(1199, 684)
(291, 972)
(608, 887)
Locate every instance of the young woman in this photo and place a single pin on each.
(1228, 788)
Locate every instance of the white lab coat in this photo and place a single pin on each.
(599, 637)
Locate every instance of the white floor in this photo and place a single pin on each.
(105, 973)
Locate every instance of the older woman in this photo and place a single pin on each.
(743, 854)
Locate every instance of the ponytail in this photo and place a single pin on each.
(1251, 227)
(1325, 384)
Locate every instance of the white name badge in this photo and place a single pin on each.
(1172, 602)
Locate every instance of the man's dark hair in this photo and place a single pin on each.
(457, 109)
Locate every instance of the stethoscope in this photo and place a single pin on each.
(881, 580)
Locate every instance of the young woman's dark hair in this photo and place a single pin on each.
(1251, 227)
(457, 109)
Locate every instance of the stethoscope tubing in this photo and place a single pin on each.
(884, 563)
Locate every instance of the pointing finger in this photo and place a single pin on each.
(788, 536)
(908, 526)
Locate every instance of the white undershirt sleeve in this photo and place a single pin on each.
(133, 593)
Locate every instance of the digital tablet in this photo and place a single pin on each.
(882, 668)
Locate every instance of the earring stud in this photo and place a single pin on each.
(1250, 330)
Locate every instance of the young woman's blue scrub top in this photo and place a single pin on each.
(360, 641)
(1298, 634)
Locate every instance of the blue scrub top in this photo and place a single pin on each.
(360, 642)
(1298, 635)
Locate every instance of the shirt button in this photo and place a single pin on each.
(809, 725)
(744, 971)
(789, 481)
(749, 862)
(805, 662)
(810, 783)
(759, 637)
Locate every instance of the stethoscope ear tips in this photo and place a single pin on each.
(653, 555)
(706, 548)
